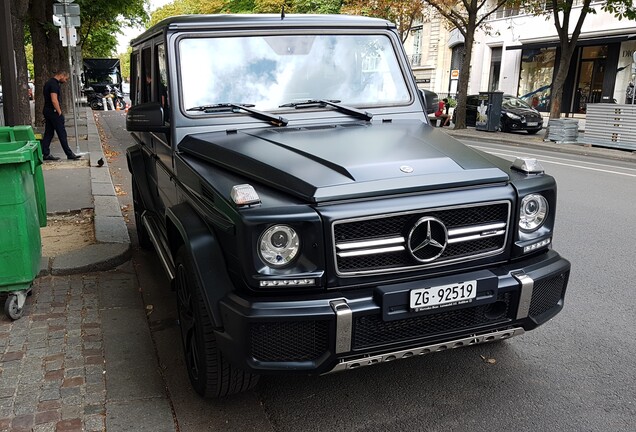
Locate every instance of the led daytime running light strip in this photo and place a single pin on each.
(287, 282)
(536, 246)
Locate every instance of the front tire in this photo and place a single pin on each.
(210, 373)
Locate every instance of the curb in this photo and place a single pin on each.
(113, 246)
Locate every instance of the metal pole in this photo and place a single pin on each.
(71, 72)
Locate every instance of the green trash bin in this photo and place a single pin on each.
(22, 213)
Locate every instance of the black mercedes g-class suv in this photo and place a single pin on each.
(307, 214)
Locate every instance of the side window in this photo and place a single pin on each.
(161, 73)
(134, 78)
(146, 75)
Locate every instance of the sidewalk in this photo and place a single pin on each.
(72, 186)
(81, 357)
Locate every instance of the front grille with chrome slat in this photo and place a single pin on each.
(379, 244)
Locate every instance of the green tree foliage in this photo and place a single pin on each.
(186, 7)
(402, 12)
(124, 62)
(318, 7)
(103, 20)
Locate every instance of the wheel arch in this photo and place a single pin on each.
(184, 227)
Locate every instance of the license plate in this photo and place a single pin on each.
(533, 123)
(443, 295)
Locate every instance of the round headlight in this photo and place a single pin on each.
(279, 245)
(534, 210)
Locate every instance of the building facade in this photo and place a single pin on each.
(519, 53)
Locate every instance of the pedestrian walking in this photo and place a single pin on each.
(54, 118)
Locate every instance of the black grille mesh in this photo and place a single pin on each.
(289, 341)
(371, 330)
(546, 294)
(400, 225)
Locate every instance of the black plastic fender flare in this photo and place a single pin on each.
(205, 252)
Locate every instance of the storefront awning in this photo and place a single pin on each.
(581, 42)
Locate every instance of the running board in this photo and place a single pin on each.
(162, 249)
(427, 349)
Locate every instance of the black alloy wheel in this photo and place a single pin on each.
(210, 373)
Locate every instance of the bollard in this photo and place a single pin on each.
(104, 104)
(111, 105)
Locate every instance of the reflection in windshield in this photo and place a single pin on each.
(515, 103)
(268, 71)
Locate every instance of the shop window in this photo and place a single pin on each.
(495, 69)
(535, 79)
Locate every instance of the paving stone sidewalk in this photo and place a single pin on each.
(52, 365)
(79, 336)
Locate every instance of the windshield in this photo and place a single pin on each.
(269, 71)
(515, 103)
(94, 77)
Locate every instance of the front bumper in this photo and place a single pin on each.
(345, 330)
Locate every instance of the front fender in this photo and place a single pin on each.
(186, 227)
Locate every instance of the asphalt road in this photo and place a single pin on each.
(575, 373)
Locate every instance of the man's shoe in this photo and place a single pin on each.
(51, 157)
(74, 157)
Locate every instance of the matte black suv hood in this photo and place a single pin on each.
(352, 160)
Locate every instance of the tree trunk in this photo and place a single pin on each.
(19, 10)
(567, 51)
(48, 53)
(464, 74)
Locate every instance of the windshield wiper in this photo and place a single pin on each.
(365, 115)
(274, 120)
(219, 106)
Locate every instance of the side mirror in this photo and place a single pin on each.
(423, 99)
(146, 117)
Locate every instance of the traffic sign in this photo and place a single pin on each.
(72, 34)
(66, 9)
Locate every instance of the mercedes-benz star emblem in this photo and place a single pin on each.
(428, 239)
(406, 169)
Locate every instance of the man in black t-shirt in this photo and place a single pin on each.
(54, 117)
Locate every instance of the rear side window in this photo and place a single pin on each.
(134, 78)
(161, 72)
(146, 75)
